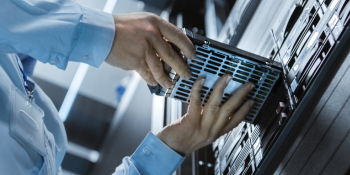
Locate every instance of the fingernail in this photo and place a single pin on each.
(251, 104)
(167, 84)
(228, 79)
(188, 75)
(202, 81)
(154, 84)
(194, 56)
(252, 87)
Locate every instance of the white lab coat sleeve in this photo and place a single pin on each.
(56, 31)
(152, 157)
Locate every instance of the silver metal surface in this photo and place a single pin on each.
(216, 59)
(212, 63)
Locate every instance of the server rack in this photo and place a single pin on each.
(299, 131)
(311, 39)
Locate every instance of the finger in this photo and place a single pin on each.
(176, 36)
(233, 103)
(156, 67)
(168, 54)
(212, 107)
(238, 97)
(195, 106)
(146, 74)
(237, 118)
(216, 96)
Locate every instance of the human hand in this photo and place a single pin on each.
(140, 42)
(203, 125)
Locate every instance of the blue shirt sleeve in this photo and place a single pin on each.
(56, 31)
(151, 157)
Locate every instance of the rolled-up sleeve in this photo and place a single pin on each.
(151, 157)
(56, 31)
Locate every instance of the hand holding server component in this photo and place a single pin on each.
(215, 59)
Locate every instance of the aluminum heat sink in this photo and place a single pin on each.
(213, 60)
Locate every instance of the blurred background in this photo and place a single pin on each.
(108, 111)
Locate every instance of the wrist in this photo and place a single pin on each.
(170, 144)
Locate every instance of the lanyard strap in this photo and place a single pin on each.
(26, 83)
(26, 86)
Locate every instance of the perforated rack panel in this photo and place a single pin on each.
(213, 60)
(298, 126)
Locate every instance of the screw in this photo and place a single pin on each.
(268, 63)
(195, 30)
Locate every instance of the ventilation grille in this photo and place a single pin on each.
(213, 63)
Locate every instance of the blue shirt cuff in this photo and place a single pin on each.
(94, 37)
(155, 157)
